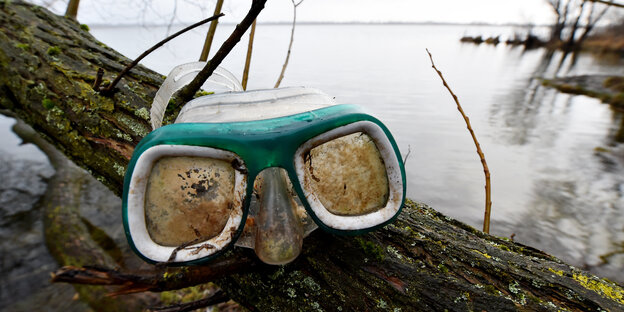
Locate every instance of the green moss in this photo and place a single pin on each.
(174, 276)
(617, 100)
(615, 82)
(84, 27)
(558, 272)
(202, 93)
(107, 106)
(464, 297)
(382, 304)
(499, 246)
(371, 249)
(491, 289)
(168, 297)
(103, 240)
(23, 46)
(291, 293)
(311, 284)
(514, 287)
(142, 113)
(443, 268)
(600, 149)
(121, 170)
(55, 117)
(602, 287)
(47, 103)
(52, 51)
(482, 253)
(393, 251)
(185, 295)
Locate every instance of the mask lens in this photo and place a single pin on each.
(188, 198)
(347, 175)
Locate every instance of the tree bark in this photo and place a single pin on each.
(424, 261)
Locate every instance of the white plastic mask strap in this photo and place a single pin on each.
(221, 80)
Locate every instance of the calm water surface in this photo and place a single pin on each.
(557, 166)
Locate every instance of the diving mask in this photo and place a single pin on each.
(260, 169)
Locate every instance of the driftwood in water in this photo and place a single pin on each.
(71, 239)
(424, 261)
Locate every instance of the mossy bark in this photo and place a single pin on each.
(427, 262)
(424, 261)
(48, 65)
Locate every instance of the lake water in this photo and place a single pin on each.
(556, 163)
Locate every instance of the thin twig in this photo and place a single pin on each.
(248, 59)
(173, 16)
(216, 298)
(211, 32)
(98, 79)
(161, 280)
(185, 245)
(409, 150)
(292, 38)
(72, 9)
(486, 171)
(610, 3)
(187, 93)
(111, 87)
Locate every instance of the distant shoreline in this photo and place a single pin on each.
(329, 23)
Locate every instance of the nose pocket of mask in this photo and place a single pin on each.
(279, 230)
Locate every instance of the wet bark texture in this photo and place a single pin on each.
(424, 261)
(48, 65)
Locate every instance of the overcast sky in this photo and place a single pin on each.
(460, 11)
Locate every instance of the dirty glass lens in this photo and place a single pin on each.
(347, 175)
(187, 199)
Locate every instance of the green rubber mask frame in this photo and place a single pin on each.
(251, 146)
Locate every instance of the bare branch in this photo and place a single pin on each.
(187, 93)
(72, 9)
(161, 280)
(111, 87)
(292, 38)
(248, 58)
(486, 170)
(173, 17)
(609, 3)
(409, 150)
(98, 79)
(211, 33)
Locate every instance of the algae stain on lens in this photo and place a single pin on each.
(188, 198)
(347, 175)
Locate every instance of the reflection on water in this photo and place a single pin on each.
(556, 160)
(574, 208)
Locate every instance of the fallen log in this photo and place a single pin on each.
(424, 261)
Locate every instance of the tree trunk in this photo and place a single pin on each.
(424, 261)
(571, 44)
